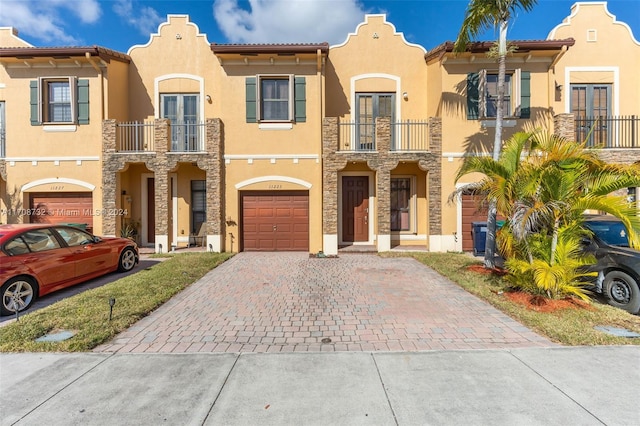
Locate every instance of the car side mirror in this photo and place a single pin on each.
(96, 239)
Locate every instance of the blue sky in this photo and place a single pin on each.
(120, 24)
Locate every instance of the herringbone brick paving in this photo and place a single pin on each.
(288, 302)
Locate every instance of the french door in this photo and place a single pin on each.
(591, 107)
(182, 111)
(369, 106)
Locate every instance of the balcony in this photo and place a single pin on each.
(135, 137)
(406, 136)
(139, 137)
(410, 135)
(187, 137)
(609, 132)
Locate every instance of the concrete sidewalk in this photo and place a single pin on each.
(522, 386)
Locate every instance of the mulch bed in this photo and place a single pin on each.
(532, 301)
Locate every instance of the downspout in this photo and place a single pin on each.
(319, 64)
(100, 75)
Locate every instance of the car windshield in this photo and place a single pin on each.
(611, 232)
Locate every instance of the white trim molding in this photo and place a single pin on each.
(55, 181)
(156, 89)
(566, 87)
(260, 179)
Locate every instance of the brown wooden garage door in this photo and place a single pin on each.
(473, 210)
(275, 221)
(62, 207)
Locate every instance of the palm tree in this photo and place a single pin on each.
(543, 184)
(480, 16)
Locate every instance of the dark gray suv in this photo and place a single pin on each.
(618, 265)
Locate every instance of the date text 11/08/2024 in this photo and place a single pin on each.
(64, 212)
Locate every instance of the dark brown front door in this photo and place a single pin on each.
(151, 210)
(355, 208)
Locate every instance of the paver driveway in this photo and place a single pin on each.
(277, 302)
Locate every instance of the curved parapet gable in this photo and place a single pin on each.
(168, 23)
(384, 20)
(576, 10)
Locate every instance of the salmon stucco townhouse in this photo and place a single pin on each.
(307, 147)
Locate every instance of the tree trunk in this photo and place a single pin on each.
(490, 244)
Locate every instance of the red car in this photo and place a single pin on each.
(37, 259)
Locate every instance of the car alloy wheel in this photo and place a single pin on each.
(127, 260)
(17, 295)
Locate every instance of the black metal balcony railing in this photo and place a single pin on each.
(409, 135)
(135, 137)
(609, 132)
(2, 143)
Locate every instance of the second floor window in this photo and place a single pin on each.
(58, 102)
(491, 96)
(274, 99)
(482, 94)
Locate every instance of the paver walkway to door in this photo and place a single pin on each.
(288, 302)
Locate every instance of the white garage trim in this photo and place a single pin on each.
(272, 178)
(35, 183)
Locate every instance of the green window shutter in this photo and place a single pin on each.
(250, 84)
(473, 95)
(525, 94)
(83, 101)
(33, 93)
(300, 100)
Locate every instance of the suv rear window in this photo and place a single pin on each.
(611, 232)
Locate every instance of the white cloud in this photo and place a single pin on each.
(288, 21)
(46, 20)
(144, 19)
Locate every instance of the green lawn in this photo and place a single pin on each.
(87, 314)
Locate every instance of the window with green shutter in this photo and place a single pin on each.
(482, 94)
(275, 99)
(58, 100)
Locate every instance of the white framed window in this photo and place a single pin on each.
(489, 93)
(275, 98)
(402, 193)
(58, 97)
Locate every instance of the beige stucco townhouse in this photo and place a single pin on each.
(305, 147)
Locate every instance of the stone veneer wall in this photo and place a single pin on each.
(382, 162)
(161, 162)
(564, 126)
